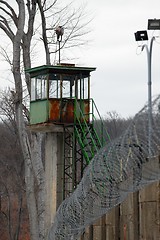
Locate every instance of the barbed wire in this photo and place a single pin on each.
(124, 165)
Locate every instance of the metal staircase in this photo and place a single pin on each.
(82, 140)
(89, 131)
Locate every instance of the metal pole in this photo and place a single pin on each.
(59, 51)
(149, 60)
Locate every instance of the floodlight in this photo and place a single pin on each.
(154, 24)
(141, 36)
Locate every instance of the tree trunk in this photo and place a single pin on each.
(31, 202)
(39, 175)
(25, 145)
(44, 32)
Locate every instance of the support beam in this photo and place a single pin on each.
(53, 175)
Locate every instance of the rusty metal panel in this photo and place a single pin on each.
(67, 111)
(54, 110)
(62, 110)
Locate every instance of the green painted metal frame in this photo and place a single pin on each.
(85, 131)
(83, 140)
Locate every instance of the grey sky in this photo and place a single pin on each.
(120, 81)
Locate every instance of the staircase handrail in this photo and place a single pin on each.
(103, 130)
(84, 120)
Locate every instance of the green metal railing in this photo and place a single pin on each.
(89, 131)
(98, 123)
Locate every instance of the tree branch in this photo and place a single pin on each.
(45, 41)
(13, 15)
(5, 27)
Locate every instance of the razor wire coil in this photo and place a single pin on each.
(124, 165)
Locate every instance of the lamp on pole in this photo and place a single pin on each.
(153, 24)
(59, 31)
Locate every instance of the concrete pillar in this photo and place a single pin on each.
(53, 175)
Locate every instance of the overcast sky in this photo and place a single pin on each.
(120, 81)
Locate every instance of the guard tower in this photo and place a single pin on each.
(61, 107)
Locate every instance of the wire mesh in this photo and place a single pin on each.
(124, 165)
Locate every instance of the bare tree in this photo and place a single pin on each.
(12, 189)
(115, 124)
(27, 23)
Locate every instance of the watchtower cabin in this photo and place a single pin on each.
(53, 93)
(61, 103)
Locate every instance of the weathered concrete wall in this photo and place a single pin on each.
(149, 212)
(137, 218)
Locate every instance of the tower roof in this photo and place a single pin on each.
(61, 69)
